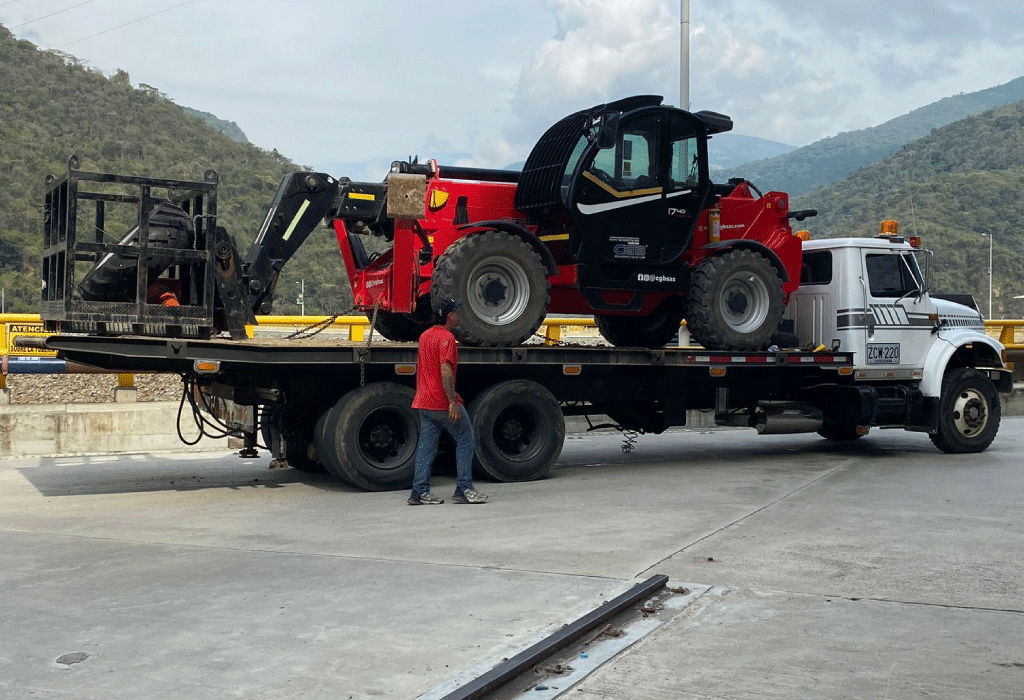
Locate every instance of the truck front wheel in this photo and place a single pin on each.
(502, 284)
(969, 412)
(370, 437)
(736, 301)
(519, 430)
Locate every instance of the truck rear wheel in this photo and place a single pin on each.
(325, 448)
(370, 437)
(519, 430)
(969, 412)
(652, 331)
(502, 284)
(736, 301)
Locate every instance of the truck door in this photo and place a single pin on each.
(617, 199)
(896, 329)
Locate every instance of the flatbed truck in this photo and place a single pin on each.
(863, 344)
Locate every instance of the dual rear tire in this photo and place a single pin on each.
(368, 439)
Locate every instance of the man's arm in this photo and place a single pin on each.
(448, 382)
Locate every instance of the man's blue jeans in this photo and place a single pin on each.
(431, 425)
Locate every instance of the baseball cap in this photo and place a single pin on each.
(446, 306)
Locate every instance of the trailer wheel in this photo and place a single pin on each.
(969, 412)
(403, 328)
(519, 430)
(370, 436)
(502, 284)
(736, 301)
(652, 331)
(839, 432)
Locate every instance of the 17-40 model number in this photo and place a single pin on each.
(883, 353)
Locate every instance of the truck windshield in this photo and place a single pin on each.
(893, 274)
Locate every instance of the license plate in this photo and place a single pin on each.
(883, 353)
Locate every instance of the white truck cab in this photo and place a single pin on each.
(869, 296)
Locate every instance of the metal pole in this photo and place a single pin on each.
(991, 236)
(684, 54)
(302, 297)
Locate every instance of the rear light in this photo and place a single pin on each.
(915, 241)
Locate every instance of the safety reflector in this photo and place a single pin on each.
(717, 371)
(405, 370)
(206, 366)
(572, 369)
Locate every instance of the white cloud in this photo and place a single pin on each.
(328, 85)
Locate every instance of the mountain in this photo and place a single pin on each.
(52, 107)
(832, 159)
(231, 129)
(726, 151)
(950, 187)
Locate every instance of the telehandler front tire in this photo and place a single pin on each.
(502, 284)
(736, 301)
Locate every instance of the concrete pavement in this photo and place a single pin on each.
(881, 568)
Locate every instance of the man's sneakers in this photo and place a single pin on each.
(424, 499)
(469, 496)
(429, 499)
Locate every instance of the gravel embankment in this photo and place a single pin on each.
(88, 388)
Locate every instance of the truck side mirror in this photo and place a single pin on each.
(924, 262)
(609, 131)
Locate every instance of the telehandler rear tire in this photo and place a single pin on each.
(652, 331)
(736, 301)
(404, 328)
(502, 284)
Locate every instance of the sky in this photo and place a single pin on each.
(346, 87)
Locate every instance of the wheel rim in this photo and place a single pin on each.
(744, 302)
(499, 290)
(515, 433)
(385, 438)
(970, 412)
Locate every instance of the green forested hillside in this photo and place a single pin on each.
(830, 160)
(957, 183)
(52, 107)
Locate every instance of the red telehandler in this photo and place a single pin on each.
(614, 214)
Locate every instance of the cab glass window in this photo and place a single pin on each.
(632, 164)
(893, 274)
(816, 268)
(684, 174)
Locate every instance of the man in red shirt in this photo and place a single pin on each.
(441, 409)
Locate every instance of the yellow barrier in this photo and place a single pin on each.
(1005, 330)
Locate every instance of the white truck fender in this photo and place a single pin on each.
(947, 342)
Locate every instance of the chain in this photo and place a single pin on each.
(369, 339)
(314, 328)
